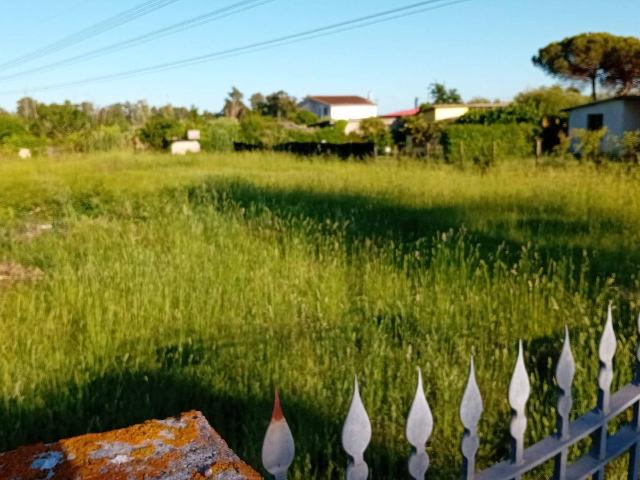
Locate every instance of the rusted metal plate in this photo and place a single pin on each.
(178, 448)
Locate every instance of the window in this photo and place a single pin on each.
(595, 121)
(325, 112)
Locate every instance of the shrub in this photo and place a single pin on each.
(480, 142)
(587, 144)
(160, 131)
(333, 134)
(631, 145)
(258, 130)
(102, 139)
(219, 134)
(375, 131)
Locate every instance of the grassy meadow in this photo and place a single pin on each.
(205, 282)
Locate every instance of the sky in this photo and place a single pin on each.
(483, 48)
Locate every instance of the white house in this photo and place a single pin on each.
(618, 114)
(351, 108)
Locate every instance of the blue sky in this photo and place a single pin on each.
(481, 47)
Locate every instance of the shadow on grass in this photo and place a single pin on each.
(120, 399)
(504, 226)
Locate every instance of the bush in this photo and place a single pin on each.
(219, 134)
(333, 134)
(375, 131)
(631, 145)
(160, 131)
(10, 126)
(102, 139)
(587, 144)
(258, 130)
(482, 142)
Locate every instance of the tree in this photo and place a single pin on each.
(439, 93)
(258, 103)
(233, 106)
(579, 58)
(622, 65)
(549, 101)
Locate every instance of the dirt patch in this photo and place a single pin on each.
(14, 272)
(34, 230)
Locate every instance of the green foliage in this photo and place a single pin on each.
(588, 143)
(374, 130)
(334, 133)
(611, 60)
(233, 104)
(10, 126)
(172, 285)
(219, 134)
(549, 101)
(160, 131)
(622, 65)
(439, 93)
(485, 143)
(416, 134)
(631, 145)
(58, 121)
(103, 139)
(256, 129)
(305, 117)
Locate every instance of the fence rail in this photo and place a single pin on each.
(279, 450)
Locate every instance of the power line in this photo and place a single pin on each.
(347, 25)
(94, 30)
(188, 24)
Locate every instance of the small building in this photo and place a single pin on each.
(618, 115)
(350, 108)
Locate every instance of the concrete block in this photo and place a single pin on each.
(178, 448)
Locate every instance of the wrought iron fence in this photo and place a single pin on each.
(278, 447)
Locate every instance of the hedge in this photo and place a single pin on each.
(477, 142)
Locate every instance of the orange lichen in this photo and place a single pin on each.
(154, 449)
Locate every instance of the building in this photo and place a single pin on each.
(333, 108)
(618, 115)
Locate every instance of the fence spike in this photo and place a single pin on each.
(419, 428)
(519, 391)
(606, 351)
(356, 435)
(278, 449)
(470, 412)
(565, 371)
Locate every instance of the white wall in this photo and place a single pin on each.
(446, 113)
(340, 112)
(353, 112)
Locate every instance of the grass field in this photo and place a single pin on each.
(205, 282)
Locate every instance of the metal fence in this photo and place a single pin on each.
(278, 448)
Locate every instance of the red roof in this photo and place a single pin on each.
(402, 113)
(340, 100)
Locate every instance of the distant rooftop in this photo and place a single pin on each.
(629, 98)
(340, 99)
(402, 113)
(469, 105)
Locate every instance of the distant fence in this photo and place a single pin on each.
(358, 150)
(278, 447)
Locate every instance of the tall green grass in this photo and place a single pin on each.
(206, 282)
